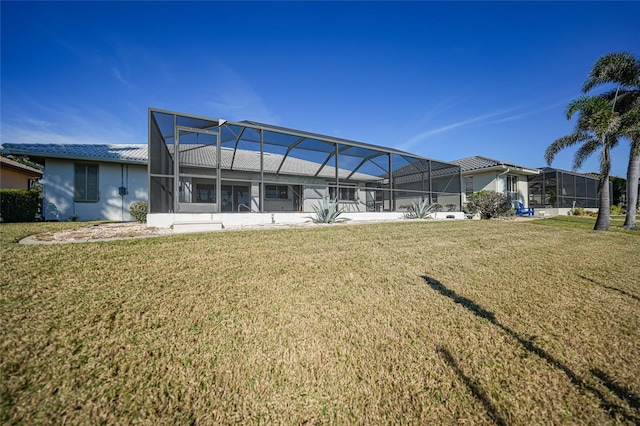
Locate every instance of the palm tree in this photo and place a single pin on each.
(631, 129)
(597, 128)
(623, 69)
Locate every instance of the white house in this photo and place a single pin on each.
(482, 173)
(204, 169)
(88, 182)
(96, 182)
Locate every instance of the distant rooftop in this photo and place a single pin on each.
(478, 163)
(10, 164)
(135, 153)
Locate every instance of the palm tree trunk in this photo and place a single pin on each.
(604, 211)
(632, 187)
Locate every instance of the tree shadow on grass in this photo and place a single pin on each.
(610, 408)
(633, 296)
(621, 392)
(472, 386)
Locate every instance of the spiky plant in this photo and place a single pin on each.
(421, 209)
(326, 211)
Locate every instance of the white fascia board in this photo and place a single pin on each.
(501, 168)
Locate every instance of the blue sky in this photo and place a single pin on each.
(444, 80)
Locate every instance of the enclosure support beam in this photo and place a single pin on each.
(392, 197)
(284, 157)
(235, 147)
(337, 176)
(261, 200)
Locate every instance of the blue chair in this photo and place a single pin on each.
(521, 211)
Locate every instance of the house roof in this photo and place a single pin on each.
(590, 175)
(191, 155)
(479, 163)
(28, 170)
(246, 160)
(135, 153)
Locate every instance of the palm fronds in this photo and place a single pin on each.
(621, 68)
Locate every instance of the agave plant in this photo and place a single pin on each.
(326, 212)
(421, 209)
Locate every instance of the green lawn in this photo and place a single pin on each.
(417, 322)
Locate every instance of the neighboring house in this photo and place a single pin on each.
(88, 181)
(14, 175)
(482, 173)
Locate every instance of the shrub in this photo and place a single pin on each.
(138, 211)
(326, 212)
(577, 211)
(488, 204)
(616, 209)
(19, 205)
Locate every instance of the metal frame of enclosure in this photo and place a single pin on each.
(206, 165)
(555, 188)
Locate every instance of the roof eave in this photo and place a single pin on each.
(40, 157)
(503, 167)
(29, 171)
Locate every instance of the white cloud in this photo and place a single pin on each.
(421, 137)
(235, 99)
(528, 113)
(495, 117)
(41, 123)
(116, 73)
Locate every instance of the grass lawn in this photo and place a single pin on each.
(583, 222)
(417, 322)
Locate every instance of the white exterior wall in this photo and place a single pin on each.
(58, 181)
(234, 220)
(497, 181)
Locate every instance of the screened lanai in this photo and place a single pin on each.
(554, 188)
(205, 165)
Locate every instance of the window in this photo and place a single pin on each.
(347, 193)
(277, 191)
(205, 193)
(512, 186)
(468, 185)
(86, 183)
(33, 184)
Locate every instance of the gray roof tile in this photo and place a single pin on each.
(192, 155)
(478, 162)
(117, 153)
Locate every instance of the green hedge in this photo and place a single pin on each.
(19, 205)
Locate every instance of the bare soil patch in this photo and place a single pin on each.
(97, 232)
